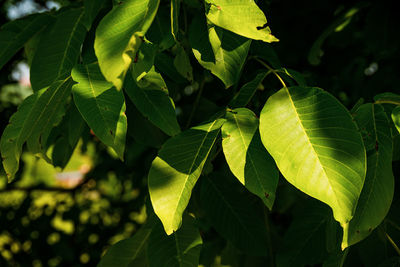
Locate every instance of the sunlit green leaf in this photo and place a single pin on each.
(118, 37)
(234, 214)
(246, 156)
(181, 249)
(377, 194)
(32, 123)
(59, 49)
(150, 96)
(101, 105)
(14, 34)
(396, 117)
(242, 17)
(176, 169)
(316, 146)
(218, 50)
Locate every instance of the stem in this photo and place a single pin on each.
(272, 70)
(388, 102)
(393, 243)
(196, 103)
(267, 225)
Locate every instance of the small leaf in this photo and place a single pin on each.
(182, 64)
(150, 96)
(118, 37)
(243, 97)
(14, 34)
(242, 17)
(234, 214)
(176, 169)
(246, 156)
(144, 60)
(101, 105)
(220, 51)
(58, 50)
(377, 193)
(387, 98)
(32, 123)
(316, 146)
(182, 248)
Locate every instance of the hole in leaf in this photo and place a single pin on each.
(262, 27)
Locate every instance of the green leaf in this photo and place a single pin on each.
(14, 34)
(304, 241)
(182, 248)
(234, 214)
(243, 97)
(396, 117)
(242, 17)
(175, 6)
(144, 60)
(150, 96)
(246, 156)
(163, 62)
(118, 37)
(160, 32)
(387, 98)
(128, 250)
(220, 51)
(316, 146)
(101, 105)
(176, 169)
(32, 123)
(182, 64)
(377, 194)
(59, 49)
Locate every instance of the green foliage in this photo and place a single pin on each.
(188, 131)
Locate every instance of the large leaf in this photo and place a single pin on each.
(246, 156)
(242, 17)
(118, 37)
(176, 169)
(15, 34)
(181, 249)
(126, 251)
(101, 105)
(316, 146)
(150, 96)
(243, 97)
(32, 123)
(218, 50)
(304, 242)
(234, 213)
(377, 194)
(58, 50)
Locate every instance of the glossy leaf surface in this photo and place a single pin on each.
(247, 157)
(118, 37)
(101, 105)
(176, 169)
(316, 146)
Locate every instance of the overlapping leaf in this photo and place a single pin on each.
(247, 91)
(118, 37)
(376, 196)
(218, 50)
(101, 105)
(181, 249)
(234, 214)
(32, 123)
(246, 156)
(150, 96)
(242, 17)
(176, 169)
(58, 50)
(316, 146)
(15, 34)
(92, 8)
